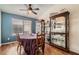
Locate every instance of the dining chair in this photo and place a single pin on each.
(40, 43)
(19, 46)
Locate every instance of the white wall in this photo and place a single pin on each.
(74, 23)
(0, 28)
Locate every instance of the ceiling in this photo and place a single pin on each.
(14, 9)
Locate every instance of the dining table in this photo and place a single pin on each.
(29, 43)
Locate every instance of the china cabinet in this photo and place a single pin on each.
(42, 27)
(59, 30)
(43, 33)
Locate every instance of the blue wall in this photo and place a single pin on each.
(6, 26)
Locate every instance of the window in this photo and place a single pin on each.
(38, 27)
(21, 26)
(17, 26)
(27, 26)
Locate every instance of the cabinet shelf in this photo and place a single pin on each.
(58, 33)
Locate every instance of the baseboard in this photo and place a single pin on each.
(0, 45)
(8, 43)
(73, 53)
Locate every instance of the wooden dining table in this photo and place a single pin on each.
(29, 43)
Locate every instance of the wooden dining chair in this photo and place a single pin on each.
(40, 44)
(19, 46)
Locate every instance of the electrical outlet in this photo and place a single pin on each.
(8, 38)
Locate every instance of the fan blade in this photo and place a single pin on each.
(25, 4)
(22, 9)
(34, 12)
(36, 9)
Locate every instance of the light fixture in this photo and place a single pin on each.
(29, 12)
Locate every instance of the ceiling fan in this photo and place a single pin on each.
(30, 9)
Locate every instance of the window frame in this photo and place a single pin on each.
(15, 19)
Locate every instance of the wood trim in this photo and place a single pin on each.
(50, 31)
(60, 14)
(57, 33)
(73, 53)
(59, 47)
(8, 43)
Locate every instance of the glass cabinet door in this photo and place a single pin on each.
(59, 30)
(58, 40)
(58, 25)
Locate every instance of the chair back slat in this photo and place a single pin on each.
(40, 39)
(18, 37)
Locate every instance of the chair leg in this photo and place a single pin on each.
(20, 50)
(37, 52)
(19, 47)
(43, 50)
